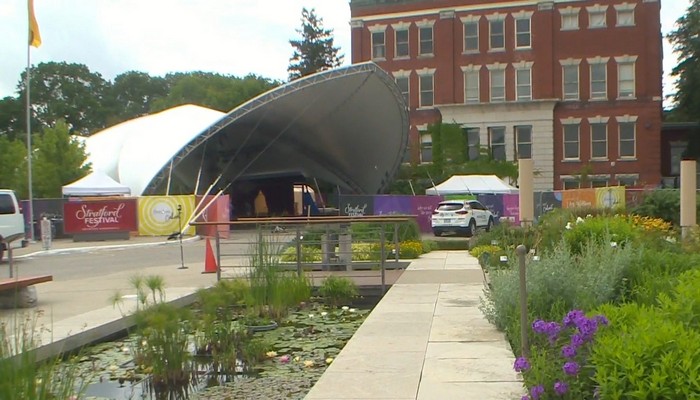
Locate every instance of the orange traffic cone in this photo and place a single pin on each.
(209, 260)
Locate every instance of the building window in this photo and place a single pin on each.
(571, 142)
(570, 184)
(571, 79)
(522, 32)
(473, 143)
(599, 81)
(471, 85)
(625, 79)
(426, 148)
(378, 45)
(426, 41)
(627, 140)
(403, 82)
(627, 180)
(523, 84)
(496, 35)
(498, 84)
(471, 36)
(497, 143)
(426, 90)
(677, 150)
(597, 16)
(625, 14)
(599, 140)
(401, 43)
(523, 142)
(597, 182)
(569, 18)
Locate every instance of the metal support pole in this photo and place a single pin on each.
(10, 260)
(298, 243)
(396, 242)
(218, 256)
(521, 250)
(382, 256)
(179, 225)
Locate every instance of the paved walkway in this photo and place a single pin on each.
(426, 340)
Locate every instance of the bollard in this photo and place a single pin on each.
(45, 227)
(521, 250)
(298, 248)
(218, 256)
(382, 256)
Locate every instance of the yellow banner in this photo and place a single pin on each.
(158, 215)
(34, 35)
(610, 197)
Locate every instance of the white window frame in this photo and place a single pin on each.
(575, 122)
(472, 94)
(627, 120)
(523, 16)
(596, 122)
(501, 19)
(569, 18)
(629, 83)
(401, 74)
(625, 14)
(426, 24)
(375, 30)
(598, 62)
(570, 64)
(401, 27)
(597, 11)
(497, 70)
(493, 145)
(424, 74)
(426, 142)
(523, 66)
(470, 20)
(473, 149)
(518, 143)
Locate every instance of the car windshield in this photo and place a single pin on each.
(450, 206)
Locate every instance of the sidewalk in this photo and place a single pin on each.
(426, 340)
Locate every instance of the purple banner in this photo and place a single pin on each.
(392, 205)
(423, 207)
(511, 208)
(494, 202)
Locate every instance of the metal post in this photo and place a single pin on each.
(525, 348)
(382, 256)
(218, 256)
(10, 260)
(179, 225)
(396, 242)
(298, 243)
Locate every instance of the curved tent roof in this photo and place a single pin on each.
(96, 183)
(347, 126)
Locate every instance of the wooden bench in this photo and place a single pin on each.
(19, 292)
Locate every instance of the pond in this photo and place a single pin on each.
(297, 353)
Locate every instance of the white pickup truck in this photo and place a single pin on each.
(11, 222)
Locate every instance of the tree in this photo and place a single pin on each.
(315, 51)
(58, 159)
(13, 160)
(132, 95)
(686, 44)
(11, 121)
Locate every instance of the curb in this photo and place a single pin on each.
(69, 250)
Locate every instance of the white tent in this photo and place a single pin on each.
(472, 184)
(96, 184)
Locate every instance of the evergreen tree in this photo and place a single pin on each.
(315, 51)
(686, 44)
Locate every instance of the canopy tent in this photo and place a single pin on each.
(96, 183)
(472, 184)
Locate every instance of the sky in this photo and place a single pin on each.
(232, 37)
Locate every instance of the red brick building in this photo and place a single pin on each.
(575, 85)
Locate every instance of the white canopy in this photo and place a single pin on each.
(472, 184)
(96, 183)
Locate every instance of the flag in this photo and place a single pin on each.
(34, 35)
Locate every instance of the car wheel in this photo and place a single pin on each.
(437, 232)
(489, 225)
(471, 231)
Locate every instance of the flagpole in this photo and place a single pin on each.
(29, 135)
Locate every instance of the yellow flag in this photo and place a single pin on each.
(34, 35)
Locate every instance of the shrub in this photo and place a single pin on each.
(600, 229)
(410, 249)
(338, 290)
(656, 272)
(308, 254)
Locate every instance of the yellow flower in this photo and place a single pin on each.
(271, 354)
(297, 359)
(329, 360)
(308, 363)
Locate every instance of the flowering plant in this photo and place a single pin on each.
(558, 365)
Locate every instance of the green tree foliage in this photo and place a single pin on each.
(314, 52)
(132, 94)
(58, 159)
(220, 92)
(686, 45)
(69, 92)
(13, 156)
(11, 121)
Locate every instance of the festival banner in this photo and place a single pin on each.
(218, 211)
(610, 197)
(356, 206)
(511, 208)
(578, 198)
(546, 202)
(158, 215)
(494, 202)
(392, 204)
(96, 216)
(423, 207)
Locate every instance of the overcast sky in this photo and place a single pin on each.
(234, 37)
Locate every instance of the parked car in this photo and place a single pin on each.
(461, 216)
(11, 222)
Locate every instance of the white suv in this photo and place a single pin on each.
(461, 216)
(11, 221)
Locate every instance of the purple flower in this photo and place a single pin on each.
(560, 388)
(572, 317)
(536, 392)
(539, 326)
(568, 351)
(526, 397)
(521, 364)
(577, 340)
(553, 329)
(571, 368)
(602, 320)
